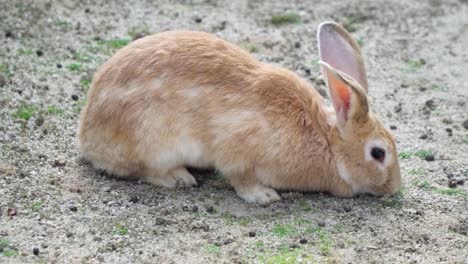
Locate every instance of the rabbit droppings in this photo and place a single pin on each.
(184, 98)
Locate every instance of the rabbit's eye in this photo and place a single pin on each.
(378, 154)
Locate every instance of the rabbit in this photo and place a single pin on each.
(185, 98)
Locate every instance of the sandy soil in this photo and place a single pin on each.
(55, 208)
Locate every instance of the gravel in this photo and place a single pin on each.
(416, 58)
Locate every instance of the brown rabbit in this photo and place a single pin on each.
(184, 98)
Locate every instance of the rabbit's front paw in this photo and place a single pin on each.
(258, 194)
(179, 177)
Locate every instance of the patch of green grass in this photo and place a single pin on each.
(360, 42)
(234, 220)
(24, 112)
(351, 23)
(4, 243)
(85, 83)
(63, 24)
(78, 106)
(338, 228)
(118, 43)
(289, 18)
(325, 242)
(405, 155)
(425, 184)
(75, 67)
(302, 222)
(216, 175)
(250, 47)
(259, 244)
(417, 171)
(287, 256)
(36, 206)
(10, 253)
(212, 249)
(53, 110)
(422, 153)
(134, 31)
(27, 51)
(284, 230)
(455, 192)
(4, 69)
(120, 229)
(395, 201)
(305, 206)
(412, 65)
(82, 57)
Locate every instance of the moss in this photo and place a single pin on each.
(289, 18)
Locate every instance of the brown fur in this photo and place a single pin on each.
(196, 94)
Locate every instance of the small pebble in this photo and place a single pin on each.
(205, 228)
(134, 199)
(228, 241)
(393, 127)
(447, 121)
(73, 208)
(74, 97)
(139, 35)
(2, 80)
(429, 157)
(39, 121)
(303, 241)
(198, 19)
(465, 124)
(430, 104)
(11, 211)
(322, 92)
(59, 163)
(252, 234)
(452, 183)
(39, 53)
(36, 251)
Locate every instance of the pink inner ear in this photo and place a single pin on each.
(342, 93)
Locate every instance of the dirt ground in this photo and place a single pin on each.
(55, 208)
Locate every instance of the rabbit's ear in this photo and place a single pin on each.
(338, 49)
(348, 96)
